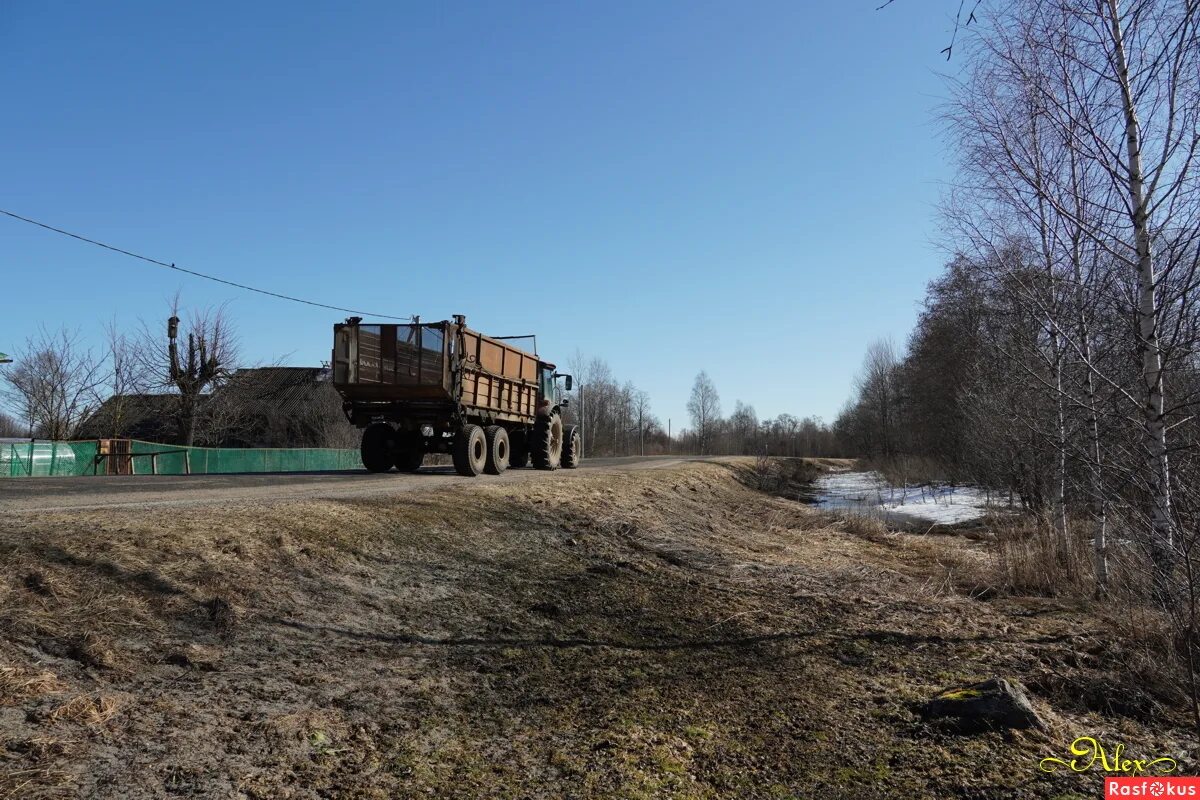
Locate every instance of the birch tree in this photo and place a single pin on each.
(641, 412)
(1080, 118)
(704, 407)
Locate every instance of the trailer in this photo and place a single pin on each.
(443, 388)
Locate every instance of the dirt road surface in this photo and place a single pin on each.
(61, 494)
(681, 631)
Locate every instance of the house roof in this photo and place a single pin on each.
(285, 389)
(247, 396)
(137, 416)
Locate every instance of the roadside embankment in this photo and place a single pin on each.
(670, 632)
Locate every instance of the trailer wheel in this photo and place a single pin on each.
(546, 442)
(409, 451)
(497, 449)
(518, 450)
(378, 440)
(470, 451)
(572, 447)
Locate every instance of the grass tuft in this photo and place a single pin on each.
(17, 683)
(88, 709)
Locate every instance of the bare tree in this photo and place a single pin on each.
(618, 419)
(193, 368)
(704, 407)
(124, 378)
(1166, 56)
(1082, 122)
(641, 412)
(53, 384)
(1057, 356)
(277, 407)
(877, 386)
(743, 424)
(10, 428)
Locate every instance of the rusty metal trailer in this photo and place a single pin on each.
(442, 387)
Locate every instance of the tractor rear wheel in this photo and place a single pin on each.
(518, 450)
(409, 451)
(378, 441)
(572, 447)
(497, 449)
(470, 451)
(546, 442)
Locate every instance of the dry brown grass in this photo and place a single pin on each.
(778, 476)
(19, 683)
(1137, 672)
(88, 709)
(42, 783)
(668, 632)
(1031, 561)
(71, 597)
(868, 526)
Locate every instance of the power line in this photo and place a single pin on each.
(193, 272)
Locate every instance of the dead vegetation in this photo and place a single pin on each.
(87, 709)
(18, 683)
(669, 632)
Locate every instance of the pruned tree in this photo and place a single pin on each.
(193, 367)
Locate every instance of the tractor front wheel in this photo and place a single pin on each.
(572, 447)
(546, 442)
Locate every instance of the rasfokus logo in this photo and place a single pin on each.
(1166, 786)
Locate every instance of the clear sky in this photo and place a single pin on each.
(746, 188)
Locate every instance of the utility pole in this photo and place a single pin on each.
(668, 436)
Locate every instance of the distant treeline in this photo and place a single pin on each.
(618, 420)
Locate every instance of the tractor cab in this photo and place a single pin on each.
(548, 386)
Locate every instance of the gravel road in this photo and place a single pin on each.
(79, 493)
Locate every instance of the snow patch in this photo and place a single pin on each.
(870, 493)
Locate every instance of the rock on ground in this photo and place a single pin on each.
(994, 703)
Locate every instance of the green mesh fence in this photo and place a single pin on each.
(34, 459)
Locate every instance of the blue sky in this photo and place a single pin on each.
(746, 188)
